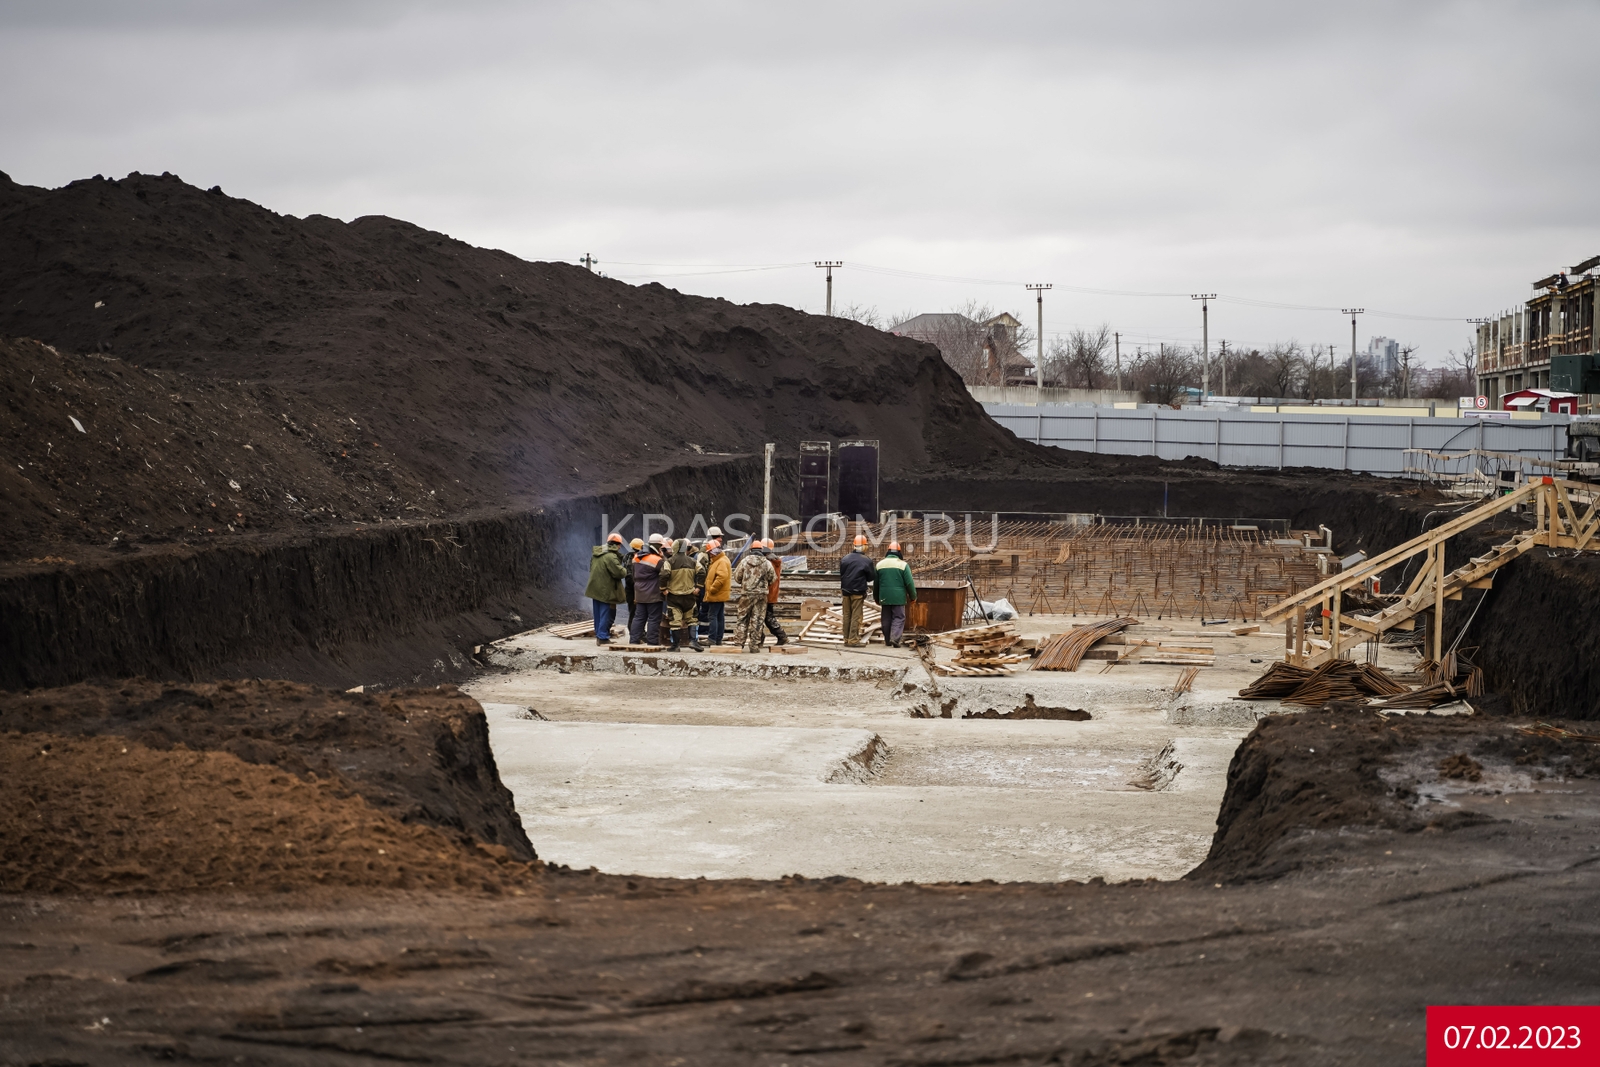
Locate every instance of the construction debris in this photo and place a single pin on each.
(1186, 680)
(1556, 733)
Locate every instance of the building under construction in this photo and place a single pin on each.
(1516, 349)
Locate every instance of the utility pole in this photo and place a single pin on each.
(1118, 338)
(1477, 385)
(1205, 341)
(588, 261)
(1222, 358)
(766, 497)
(1353, 312)
(1039, 287)
(829, 264)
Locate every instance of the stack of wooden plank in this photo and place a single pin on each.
(570, 630)
(1175, 655)
(982, 650)
(827, 628)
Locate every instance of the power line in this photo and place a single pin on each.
(709, 269)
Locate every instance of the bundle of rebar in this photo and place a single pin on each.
(1456, 671)
(1063, 652)
(1445, 682)
(1277, 682)
(1335, 680)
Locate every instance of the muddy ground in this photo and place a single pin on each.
(1363, 868)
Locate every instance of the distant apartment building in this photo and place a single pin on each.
(1514, 348)
(1385, 354)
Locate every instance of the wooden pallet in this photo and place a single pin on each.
(568, 631)
(827, 628)
(959, 670)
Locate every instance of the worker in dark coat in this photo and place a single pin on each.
(646, 626)
(856, 572)
(628, 554)
(605, 589)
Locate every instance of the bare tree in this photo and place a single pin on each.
(1078, 361)
(979, 350)
(866, 316)
(1459, 375)
(1163, 376)
(1285, 368)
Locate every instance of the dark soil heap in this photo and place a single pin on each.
(1321, 770)
(463, 373)
(420, 757)
(166, 457)
(106, 815)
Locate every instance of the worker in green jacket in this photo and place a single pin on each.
(605, 586)
(893, 588)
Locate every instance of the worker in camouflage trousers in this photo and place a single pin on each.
(751, 580)
(680, 578)
(770, 619)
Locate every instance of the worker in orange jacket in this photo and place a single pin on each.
(718, 589)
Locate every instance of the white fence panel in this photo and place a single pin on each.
(1374, 444)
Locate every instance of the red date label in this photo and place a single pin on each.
(1461, 1035)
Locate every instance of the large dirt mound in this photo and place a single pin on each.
(421, 757)
(163, 457)
(490, 377)
(102, 814)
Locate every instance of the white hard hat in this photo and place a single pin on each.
(715, 531)
(656, 539)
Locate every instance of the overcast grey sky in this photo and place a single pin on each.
(1428, 159)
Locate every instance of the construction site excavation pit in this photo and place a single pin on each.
(860, 763)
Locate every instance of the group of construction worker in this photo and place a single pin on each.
(678, 593)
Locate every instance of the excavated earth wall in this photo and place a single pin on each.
(396, 604)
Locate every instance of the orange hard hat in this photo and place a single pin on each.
(615, 538)
(768, 544)
(894, 546)
(861, 540)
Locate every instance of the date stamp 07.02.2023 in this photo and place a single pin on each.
(1513, 1035)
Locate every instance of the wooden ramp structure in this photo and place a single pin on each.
(1560, 522)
